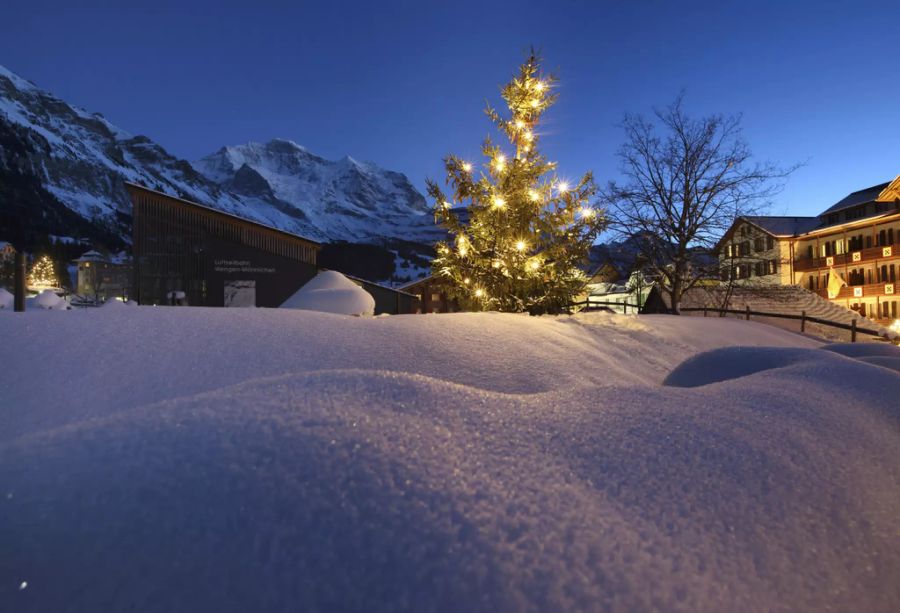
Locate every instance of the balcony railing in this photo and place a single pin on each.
(861, 291)
(870, 254)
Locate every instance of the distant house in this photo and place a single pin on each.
(103, 276)
(7, 252)
(432, 294)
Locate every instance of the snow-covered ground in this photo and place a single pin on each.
(165, 459)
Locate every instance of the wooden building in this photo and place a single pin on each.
(857, 239)
(215, 258)
(432, 296)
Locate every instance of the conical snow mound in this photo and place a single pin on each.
(332, 292)
(7, 300)
(47, 299)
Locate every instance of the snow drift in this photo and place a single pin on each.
(280, 461)
(331, 292)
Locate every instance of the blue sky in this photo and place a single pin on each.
(404, 83)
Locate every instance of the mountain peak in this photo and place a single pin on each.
(19, 82)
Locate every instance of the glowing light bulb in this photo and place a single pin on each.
(528, 135)
(479, 293)
(466, 166)
(533, 195)
(498, 202)
(520, 124)
(563, 187)
(448, 205)
(467, 280)
(496, 263)
(534, 264)
(535, 103)
(586, 212)
(520, 246)
(540, 85)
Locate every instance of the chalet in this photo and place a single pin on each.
(857, 239)
(432, 296)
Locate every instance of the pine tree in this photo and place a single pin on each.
(528, 230)
(43, 275)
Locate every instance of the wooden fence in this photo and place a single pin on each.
(803, 318)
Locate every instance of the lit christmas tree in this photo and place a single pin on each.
(42, 275)
(528, 230)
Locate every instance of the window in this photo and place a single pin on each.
(435, 297)
(770, 242)
(759, 244)
(773, 267)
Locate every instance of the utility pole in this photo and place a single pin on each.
(20, 281)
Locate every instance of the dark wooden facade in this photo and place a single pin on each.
(215, 258)
(432, 296)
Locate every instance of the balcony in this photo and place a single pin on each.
(803, 264)
(891, 290)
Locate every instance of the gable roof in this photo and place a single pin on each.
(782, 226)
(861, 197)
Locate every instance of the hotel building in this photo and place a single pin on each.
(857, 240)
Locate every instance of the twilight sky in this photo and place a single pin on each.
(404, 83)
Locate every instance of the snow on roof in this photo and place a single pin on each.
(331, 292)
(92, 256)
(783, 226)
(311, 462)
(862, 196)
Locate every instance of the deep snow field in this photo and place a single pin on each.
(191, 459)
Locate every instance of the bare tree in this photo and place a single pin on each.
(684, 183)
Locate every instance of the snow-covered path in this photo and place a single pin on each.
(194, 459)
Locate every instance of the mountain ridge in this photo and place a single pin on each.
(83, 161)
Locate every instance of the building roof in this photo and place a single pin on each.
(861, 197)
(136, 187)
(783, 226)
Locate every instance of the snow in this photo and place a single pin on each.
(7, 299)
(47, 299)
(331, 292)
(273, 460)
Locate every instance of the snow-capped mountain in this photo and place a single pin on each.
(82, 161)
(343, 199)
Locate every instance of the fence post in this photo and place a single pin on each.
(853, 331)
(748, 312)
(803, 321)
